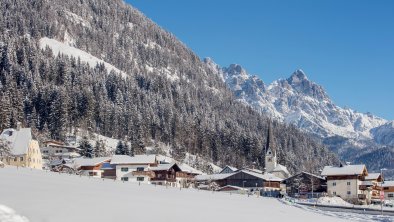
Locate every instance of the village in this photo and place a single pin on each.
(347, 183)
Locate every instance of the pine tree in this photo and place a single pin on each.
(99, 149)
(5, 149)
(120, 149)
(86, 149)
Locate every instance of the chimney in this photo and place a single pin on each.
(18, 126)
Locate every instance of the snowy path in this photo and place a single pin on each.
(46, 196)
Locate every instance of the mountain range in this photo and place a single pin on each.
(301, 102)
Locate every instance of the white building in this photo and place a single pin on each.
(345, 182)
(134, 168)
(25, 151)
(273, 167)
(388, 189)
(59, 150)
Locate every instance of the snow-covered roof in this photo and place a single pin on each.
(80, 162)
(233, 169)
(281, 168)
(366, 183)
(234, 187)
(186, 168)
(19, 140)
(254, 170)
(388, 184)
(218, 176)
(344, 170)
(372, 176)
(137, 159)
(266, 176)
(165, 166)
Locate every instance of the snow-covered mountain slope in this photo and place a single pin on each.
(47, 196)
(384, 134)
(299, 101)
(63, 48)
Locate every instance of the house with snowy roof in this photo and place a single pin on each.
(266, 182)
(56, 149)
(90, 166)
(346, 181)
(24, 149)
(133, 168)
(305, 185)
(388, 190)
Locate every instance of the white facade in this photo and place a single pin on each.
(346, 189)
(125, 173)
(270, 160)
(92, 173)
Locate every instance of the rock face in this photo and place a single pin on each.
(305, 104)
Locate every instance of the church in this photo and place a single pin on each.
(271, 161)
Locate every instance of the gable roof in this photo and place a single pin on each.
(372, 176)
(188, 169)
(84, 162)
(233, 169)
(166, 166)
(388, 184)
(222, 176)
(281, 168)
(303, 172)
(217, 176)
(137, 159)
(344, 170)
(19, 140)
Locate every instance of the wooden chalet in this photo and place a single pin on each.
(241, 178)
(165, 174)
(305, 185)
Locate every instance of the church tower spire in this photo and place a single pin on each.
(270, 151)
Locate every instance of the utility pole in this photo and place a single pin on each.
(381, 190)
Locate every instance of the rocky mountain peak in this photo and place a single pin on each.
(236, 70)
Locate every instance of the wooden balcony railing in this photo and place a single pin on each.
(150, 174)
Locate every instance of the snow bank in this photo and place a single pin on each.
(8, 215)
(47, 196)
(333, 201)
(60, 47)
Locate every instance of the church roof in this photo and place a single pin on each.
(281, 168)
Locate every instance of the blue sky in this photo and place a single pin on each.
(347, 46)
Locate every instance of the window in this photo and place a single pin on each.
(124, 169)
(92, 173)
(15, 159)
(21, 159)
(140, 179)
(385, 188)
(334, 184)
(390, 195)
(348, 183)
(140, 169)
(349, 192)
(334, 193)
(124, 179)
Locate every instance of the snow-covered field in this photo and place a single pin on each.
(46, 196)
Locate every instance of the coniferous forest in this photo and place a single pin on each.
(165, 93)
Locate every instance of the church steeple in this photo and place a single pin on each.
(270, 151)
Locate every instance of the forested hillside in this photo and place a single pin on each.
(162, 92)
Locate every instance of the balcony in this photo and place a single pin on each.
(150, 174)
